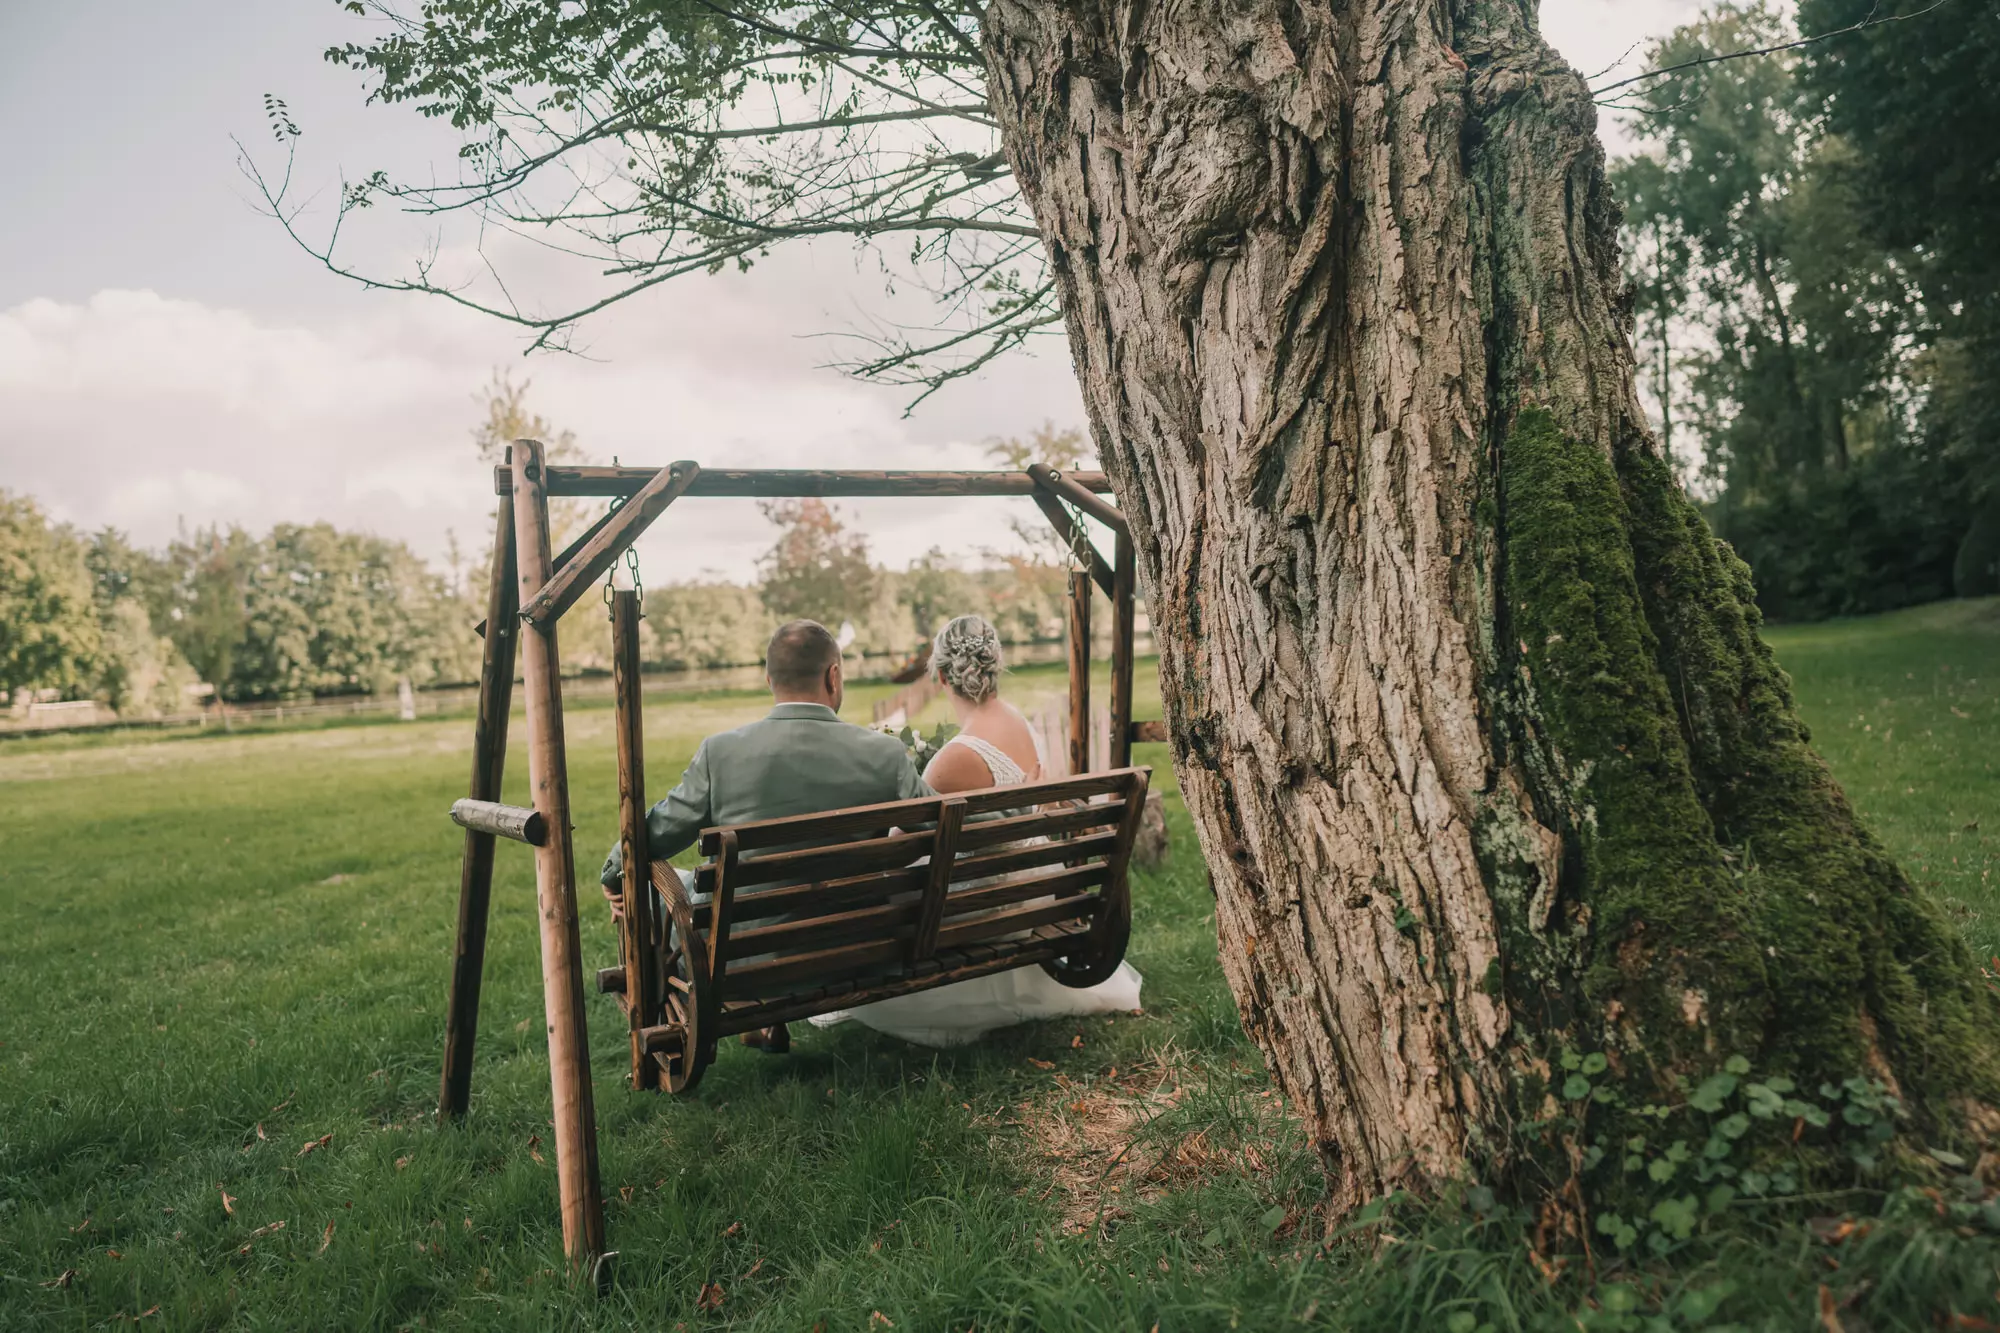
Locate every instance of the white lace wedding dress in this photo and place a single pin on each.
(967, 1010)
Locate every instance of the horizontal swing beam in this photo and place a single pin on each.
(521, 823)
(609, 542)
(777, 483)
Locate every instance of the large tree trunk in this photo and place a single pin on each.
(1468, 705)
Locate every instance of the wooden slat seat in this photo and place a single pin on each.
(789, 918)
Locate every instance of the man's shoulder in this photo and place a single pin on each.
(830, 731)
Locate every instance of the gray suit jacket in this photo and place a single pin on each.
(800, 760)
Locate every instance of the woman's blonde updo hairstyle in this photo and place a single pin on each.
(966, 656)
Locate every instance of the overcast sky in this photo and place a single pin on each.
(167, 355)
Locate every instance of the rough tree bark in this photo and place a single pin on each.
(1468, 705)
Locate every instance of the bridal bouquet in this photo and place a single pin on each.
(921, 747)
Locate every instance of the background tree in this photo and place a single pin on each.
(1468, 705)
(327, 612)
(1804, 342)
(207, 615)
(933, 589)
(708, 623)
(1917, 100)
(50, 637)
(816, 569)
(141, 672)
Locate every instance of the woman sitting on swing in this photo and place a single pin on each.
(994, 747)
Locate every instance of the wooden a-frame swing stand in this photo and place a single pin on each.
(900, 911)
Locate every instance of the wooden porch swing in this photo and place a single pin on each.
(798, 916)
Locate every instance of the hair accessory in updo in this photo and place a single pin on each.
(966, 656)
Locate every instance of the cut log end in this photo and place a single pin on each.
(502, 821)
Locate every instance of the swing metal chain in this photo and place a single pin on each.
(1077, 540)
(632, 558)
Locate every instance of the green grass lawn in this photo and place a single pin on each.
(222, 968)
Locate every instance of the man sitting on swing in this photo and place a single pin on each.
(799, 759)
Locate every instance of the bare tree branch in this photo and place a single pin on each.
(1870, 22)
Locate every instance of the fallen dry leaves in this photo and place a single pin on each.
(535, 1147)
(316, 1144)
(1829, 1316)
(711, 1296)
(1102, 1149)
(876, 1319)
(1041, 1064)
(228, 1203)
(326, 1237)
(61, 1281)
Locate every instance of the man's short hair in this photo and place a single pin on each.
(799, 653)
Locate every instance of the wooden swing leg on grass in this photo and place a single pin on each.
(555, 878)
(475, 888)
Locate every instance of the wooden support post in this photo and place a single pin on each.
(639, 943)
(1124, 619)
(720, 902)
(475, 877)
(1079, 672)
(944, 851)
(1114, 917)
(555, 881)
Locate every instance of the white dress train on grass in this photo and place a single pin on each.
(967, 1010)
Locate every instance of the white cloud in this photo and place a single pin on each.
(145, 412)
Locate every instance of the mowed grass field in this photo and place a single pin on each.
(222, 971)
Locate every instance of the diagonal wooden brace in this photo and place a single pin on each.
(1071, 530)
(583, 569)
(1048, 479)
(568, 552)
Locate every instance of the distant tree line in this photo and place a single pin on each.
(1809, 239)
(307, 609)
(303, 610)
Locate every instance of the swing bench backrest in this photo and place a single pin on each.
(802, 916)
